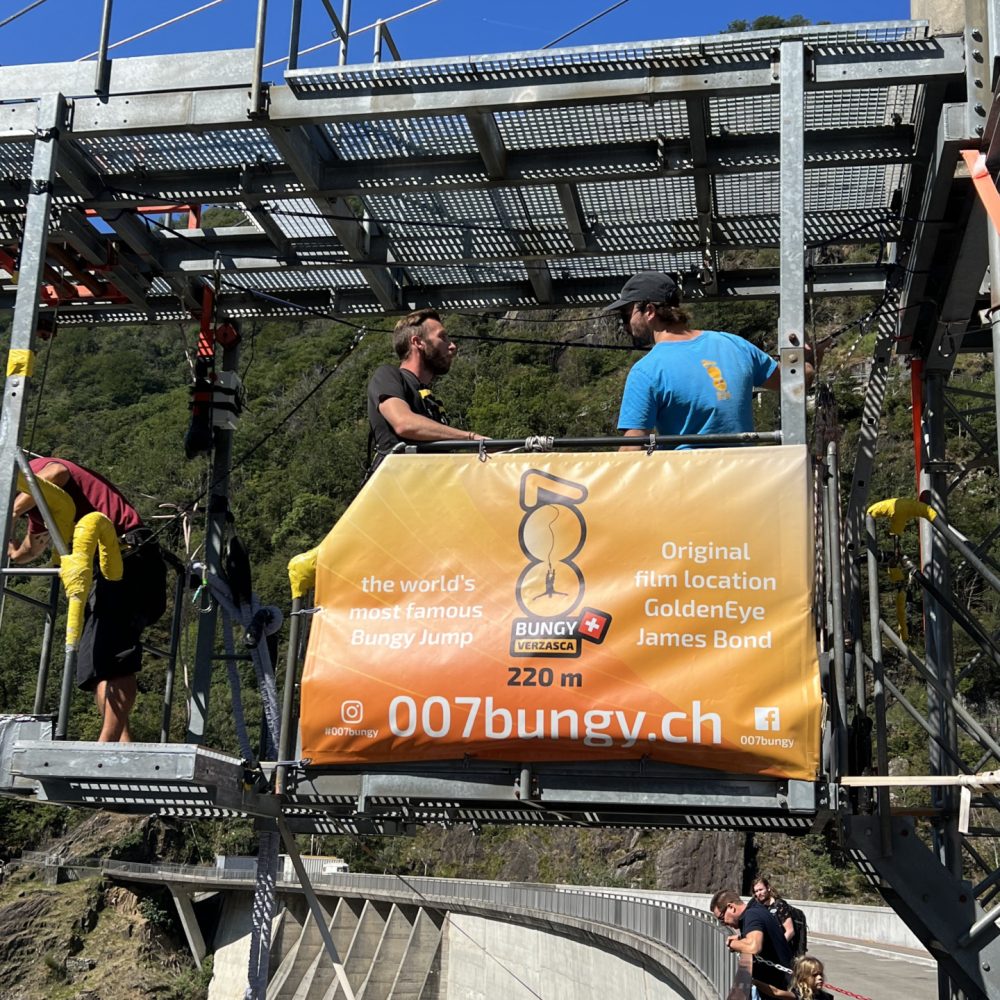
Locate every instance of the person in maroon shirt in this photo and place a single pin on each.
(110, 653)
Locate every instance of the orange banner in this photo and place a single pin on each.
(570, 607)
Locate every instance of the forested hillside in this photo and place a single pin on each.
(117, 399)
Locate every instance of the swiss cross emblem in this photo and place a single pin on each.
(593, 625)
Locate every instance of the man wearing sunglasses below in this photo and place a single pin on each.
(691, 381)
(758, 934)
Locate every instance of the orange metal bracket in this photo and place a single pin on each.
(986, 186)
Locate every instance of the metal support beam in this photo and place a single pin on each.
(967, 262)
(836, 587)
(878, 688)
(928, 203)
(579, 232)
(189, 922)
(45, 656)
(791, 320)
(306, 152)
(935, 565)
(218, 513)
(698, 127)
(538, 270)
(994, 251)
(318, 915)
(85, 180)
(612, 161)
(21, 356)
(936, 906)
(82, 237)
(864, 462)
(979, 84)
(484, 130)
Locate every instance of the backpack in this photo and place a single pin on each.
(799, 942)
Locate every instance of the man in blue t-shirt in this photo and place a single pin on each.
(758, 934)
(691, 381)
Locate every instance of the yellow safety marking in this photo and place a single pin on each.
(20, 363)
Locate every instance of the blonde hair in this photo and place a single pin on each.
(805, 968)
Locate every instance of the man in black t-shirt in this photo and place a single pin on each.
(401, 406)
(760, 935)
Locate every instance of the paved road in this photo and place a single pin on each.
(878, 972)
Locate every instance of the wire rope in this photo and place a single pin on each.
(155, 27)
(580, 27)
(19, 13)
(356, 31)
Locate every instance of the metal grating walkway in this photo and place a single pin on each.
(515, 180)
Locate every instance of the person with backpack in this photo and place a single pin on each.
(791, 919)
(401, 405)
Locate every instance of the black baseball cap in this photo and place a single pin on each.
(647, 286)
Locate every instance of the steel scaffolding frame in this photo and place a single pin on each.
(543, 179)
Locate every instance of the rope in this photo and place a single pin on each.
(539, 443)
(846, 993)
(826, 986)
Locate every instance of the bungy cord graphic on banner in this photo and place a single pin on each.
(580, 607)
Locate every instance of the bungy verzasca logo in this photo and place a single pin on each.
(551, 588)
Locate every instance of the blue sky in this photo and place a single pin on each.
(60, 30)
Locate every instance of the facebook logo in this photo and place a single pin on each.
(766, 718)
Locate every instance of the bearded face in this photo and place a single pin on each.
(437, 348)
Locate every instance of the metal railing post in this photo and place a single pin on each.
(175, 629)
(791, 318)
(878, 691)
(837, 607)
(45, 655)
(257, 84)
(293, 35)
(288, 696)
(345, 32)
(102, 75)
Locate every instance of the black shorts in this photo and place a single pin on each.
(117, 613)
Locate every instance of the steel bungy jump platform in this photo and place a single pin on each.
(544, 179)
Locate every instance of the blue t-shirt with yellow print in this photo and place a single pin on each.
(699, 386)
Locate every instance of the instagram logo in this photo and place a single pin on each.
(766, 718)
(352, 712)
